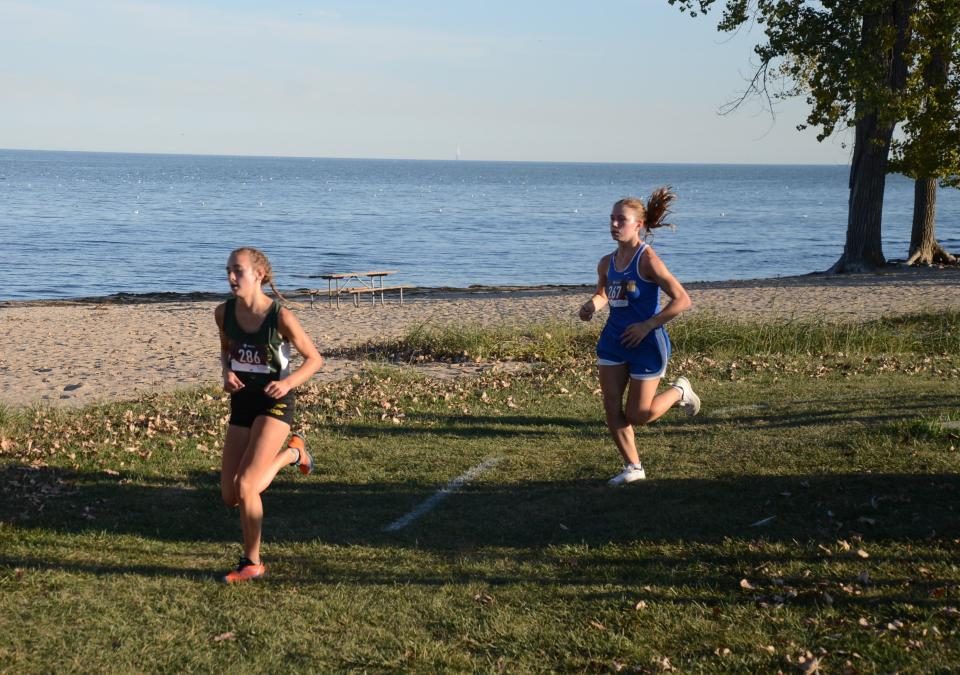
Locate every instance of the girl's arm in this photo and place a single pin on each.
(652, 268)
(291, 329)
(231, 382)
(599, 298)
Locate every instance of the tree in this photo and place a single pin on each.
(930, 151)
(850, 58)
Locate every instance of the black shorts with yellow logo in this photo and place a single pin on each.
(250, 403)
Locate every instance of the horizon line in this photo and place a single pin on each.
(413, 159)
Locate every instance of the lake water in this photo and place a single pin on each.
(91, 224)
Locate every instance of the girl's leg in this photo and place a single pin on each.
(234, 447)
(645, 405)
(266, 454)
(613, 382)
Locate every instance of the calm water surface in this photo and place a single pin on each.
(85, 224)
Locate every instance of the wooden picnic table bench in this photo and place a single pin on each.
(356, 284)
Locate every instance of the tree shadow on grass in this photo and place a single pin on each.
(697, 535)
(528, 515)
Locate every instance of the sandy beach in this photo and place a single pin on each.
(70, 353)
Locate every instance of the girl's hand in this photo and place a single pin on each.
(635, 333)
(587, 310)
(231, 383)
(277, 389)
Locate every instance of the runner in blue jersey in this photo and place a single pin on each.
(634, 348)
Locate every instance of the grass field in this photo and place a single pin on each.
(807, 518)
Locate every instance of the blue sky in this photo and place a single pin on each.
(609, 81)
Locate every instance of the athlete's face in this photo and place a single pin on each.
(625, 224)
(241, 275)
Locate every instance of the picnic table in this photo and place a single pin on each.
(356, 284)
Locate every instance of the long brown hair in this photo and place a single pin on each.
(656, 210)
(260, 262)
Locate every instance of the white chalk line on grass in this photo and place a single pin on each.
(738, 408)
(441, 494)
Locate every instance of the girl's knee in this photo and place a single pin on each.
(638, 418)
(246, 487)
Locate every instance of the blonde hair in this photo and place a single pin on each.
(657, 208)
(260, 262)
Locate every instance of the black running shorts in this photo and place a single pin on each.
(250, 403)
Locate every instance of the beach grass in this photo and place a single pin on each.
(706, 333)
(806, 518)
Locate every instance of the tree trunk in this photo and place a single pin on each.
(924, 249)
(863, 250)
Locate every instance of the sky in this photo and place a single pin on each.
(568, 81)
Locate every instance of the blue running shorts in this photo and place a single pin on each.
(647, 361)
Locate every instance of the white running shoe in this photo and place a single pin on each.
(689, 401)
(630, 473)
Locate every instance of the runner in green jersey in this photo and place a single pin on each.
(255, 338)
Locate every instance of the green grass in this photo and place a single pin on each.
(928, 333)
(810, 511)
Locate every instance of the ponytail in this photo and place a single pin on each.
(656, 210)
(658, 207)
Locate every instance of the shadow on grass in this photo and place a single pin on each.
(675, 540)
(522, 516)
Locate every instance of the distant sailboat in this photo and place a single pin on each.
(458, 152)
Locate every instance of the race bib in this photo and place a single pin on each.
(616, 294)
(245, 358)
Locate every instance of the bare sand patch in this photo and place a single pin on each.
(69, 353)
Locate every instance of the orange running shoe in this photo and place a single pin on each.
(247, 570)
(304, 460)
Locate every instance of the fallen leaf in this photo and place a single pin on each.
(229, 635)
(596, 624)
(664, 663)
(746, 585)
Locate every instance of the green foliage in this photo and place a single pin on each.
(839, 54)
(930, 147)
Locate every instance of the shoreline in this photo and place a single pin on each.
(893, 271)
(74, 352)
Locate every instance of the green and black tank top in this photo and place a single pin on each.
(260, 357)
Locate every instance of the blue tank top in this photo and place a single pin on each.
(631, 297)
